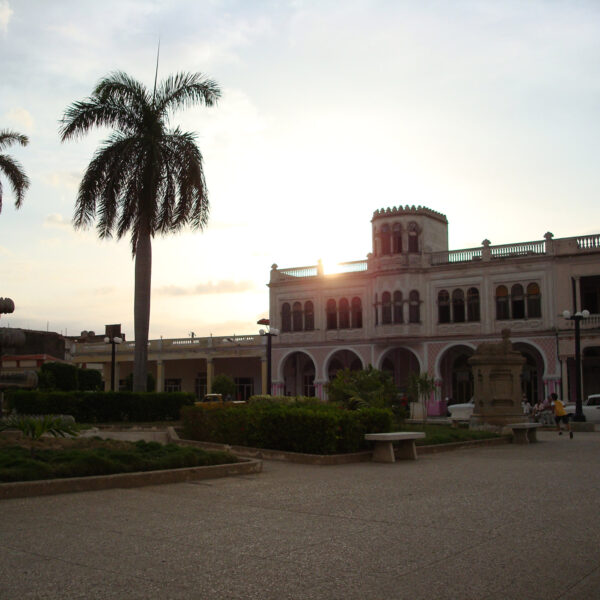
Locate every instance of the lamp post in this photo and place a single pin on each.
(577, 318)
(269, 334)
(113, 341)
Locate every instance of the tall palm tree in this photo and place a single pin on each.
(11, 168)
(146, 178)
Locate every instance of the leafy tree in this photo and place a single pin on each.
(357, 389)
(146, 178)
(35, 426)
(225, 385)
(11, 168)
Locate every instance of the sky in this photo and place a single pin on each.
(485, 111)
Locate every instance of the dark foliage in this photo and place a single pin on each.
(101, 407)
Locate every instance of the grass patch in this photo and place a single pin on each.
(445, 434)
(94, 456)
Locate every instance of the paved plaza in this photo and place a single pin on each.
(497, 522)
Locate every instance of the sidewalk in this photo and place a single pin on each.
(477, 523)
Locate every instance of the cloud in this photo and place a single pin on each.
(57, 220)
(220, 287)
(21, 118)
(58, 179)
(5, 14)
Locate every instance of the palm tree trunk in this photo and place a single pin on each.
(141, 309)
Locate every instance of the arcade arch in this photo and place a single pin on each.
(456, 374)
(343, 359)
(299, 375)
(532, 376)
(399, 363)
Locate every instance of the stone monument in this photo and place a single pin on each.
(497, 381)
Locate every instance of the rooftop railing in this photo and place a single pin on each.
(455, 256)
(588, 241)
(521, 249)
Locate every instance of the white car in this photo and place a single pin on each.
(461, 412)
(590, 408)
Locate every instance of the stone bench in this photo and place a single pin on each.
(524, 433)
(384, 449)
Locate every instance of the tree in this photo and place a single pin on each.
(420, 386)
(11, 168)
(224, 385)
(145, 179)
(357, 389)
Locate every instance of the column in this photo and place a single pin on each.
(210, 373)
(116, 376)
(106, 376)
(577, 279)
(565, 379)
(160, 376)
(263, 376)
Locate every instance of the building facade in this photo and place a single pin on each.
(415, 305)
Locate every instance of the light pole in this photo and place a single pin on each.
(269, 334)
(577, 318)
(113, 341)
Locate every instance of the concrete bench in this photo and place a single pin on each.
(384, 449)
(524, 433)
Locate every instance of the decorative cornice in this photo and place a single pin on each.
(397, 211)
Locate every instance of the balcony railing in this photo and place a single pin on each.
(455, 256)
(521, 249)
(588, 241)
(175, 344)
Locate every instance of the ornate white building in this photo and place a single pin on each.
(415, 305)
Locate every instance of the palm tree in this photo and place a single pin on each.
(11, 168)
(145, 178)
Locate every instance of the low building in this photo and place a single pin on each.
(415, 305)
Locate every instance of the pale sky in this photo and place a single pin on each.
(486, 111)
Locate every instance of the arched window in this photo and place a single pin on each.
(414, 307)
(473, 304)
(386, 308)
(458, 306)
(413, 237)
(286, 317)
(501, 303)
(344, 314)
(397, 238)
(331, 311)
(297, 316)
(386, 246)
(309, 316)
(443, 307)
(398, 316)
(534, 301)
(517, 301)
(356, 313)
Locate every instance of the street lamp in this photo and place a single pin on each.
(269, 334)
(577, 318)
(113, 341)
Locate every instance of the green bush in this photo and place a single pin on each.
(110, 457)
(312, 427)
(59, 376)
(101, 407)
(90, 380)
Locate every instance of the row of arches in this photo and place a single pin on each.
(460, 307)
(455, 376)
(393, 308)
(395, 239)
(518, 304)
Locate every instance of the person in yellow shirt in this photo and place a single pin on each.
(560, 414)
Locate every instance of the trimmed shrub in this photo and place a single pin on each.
(90, 380)
(59, 376)
(313, 428)
(101, 407)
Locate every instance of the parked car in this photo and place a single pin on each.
(213, 400)
(590, 408)
(461, 412)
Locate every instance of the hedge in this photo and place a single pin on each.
(310, 428)
(101, 407)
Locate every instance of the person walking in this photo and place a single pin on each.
(560, 414)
